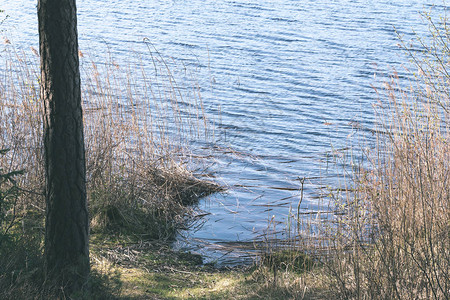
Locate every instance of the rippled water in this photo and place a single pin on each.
(284, 79)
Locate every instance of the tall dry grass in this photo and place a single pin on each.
(139, 123)
(384, 231)
(138, 126)
(391, 238)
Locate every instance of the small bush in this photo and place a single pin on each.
(9, 193)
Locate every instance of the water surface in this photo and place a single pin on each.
(285, 80)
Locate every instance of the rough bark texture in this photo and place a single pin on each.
(67, 223)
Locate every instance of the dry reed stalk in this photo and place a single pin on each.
(387, 232)
(392, 240)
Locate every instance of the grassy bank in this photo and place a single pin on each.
(153, 270)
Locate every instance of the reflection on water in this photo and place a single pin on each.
(284, 80)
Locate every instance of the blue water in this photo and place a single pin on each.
(284, 80)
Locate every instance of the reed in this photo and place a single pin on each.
(391, 237)
(385, 232)
(141, 178)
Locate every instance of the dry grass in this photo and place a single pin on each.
(385, 233)
(140, 175)
(136, 138)
(391, 239)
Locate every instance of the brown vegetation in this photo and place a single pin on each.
(385, 233)
(139, 180)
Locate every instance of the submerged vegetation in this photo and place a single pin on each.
(386, 236)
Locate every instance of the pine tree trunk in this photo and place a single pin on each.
(67, 223)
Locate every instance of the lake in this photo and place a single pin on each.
(286, 81)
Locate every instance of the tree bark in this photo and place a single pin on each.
(67, 222)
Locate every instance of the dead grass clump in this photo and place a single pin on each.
(138, 174)
(152, 206)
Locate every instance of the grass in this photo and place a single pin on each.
(141, 180)
(390, 238)
(154, 271)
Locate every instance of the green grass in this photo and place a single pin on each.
(155, 271)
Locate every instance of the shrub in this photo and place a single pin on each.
(9, 193)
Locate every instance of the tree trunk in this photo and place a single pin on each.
(67, 223)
